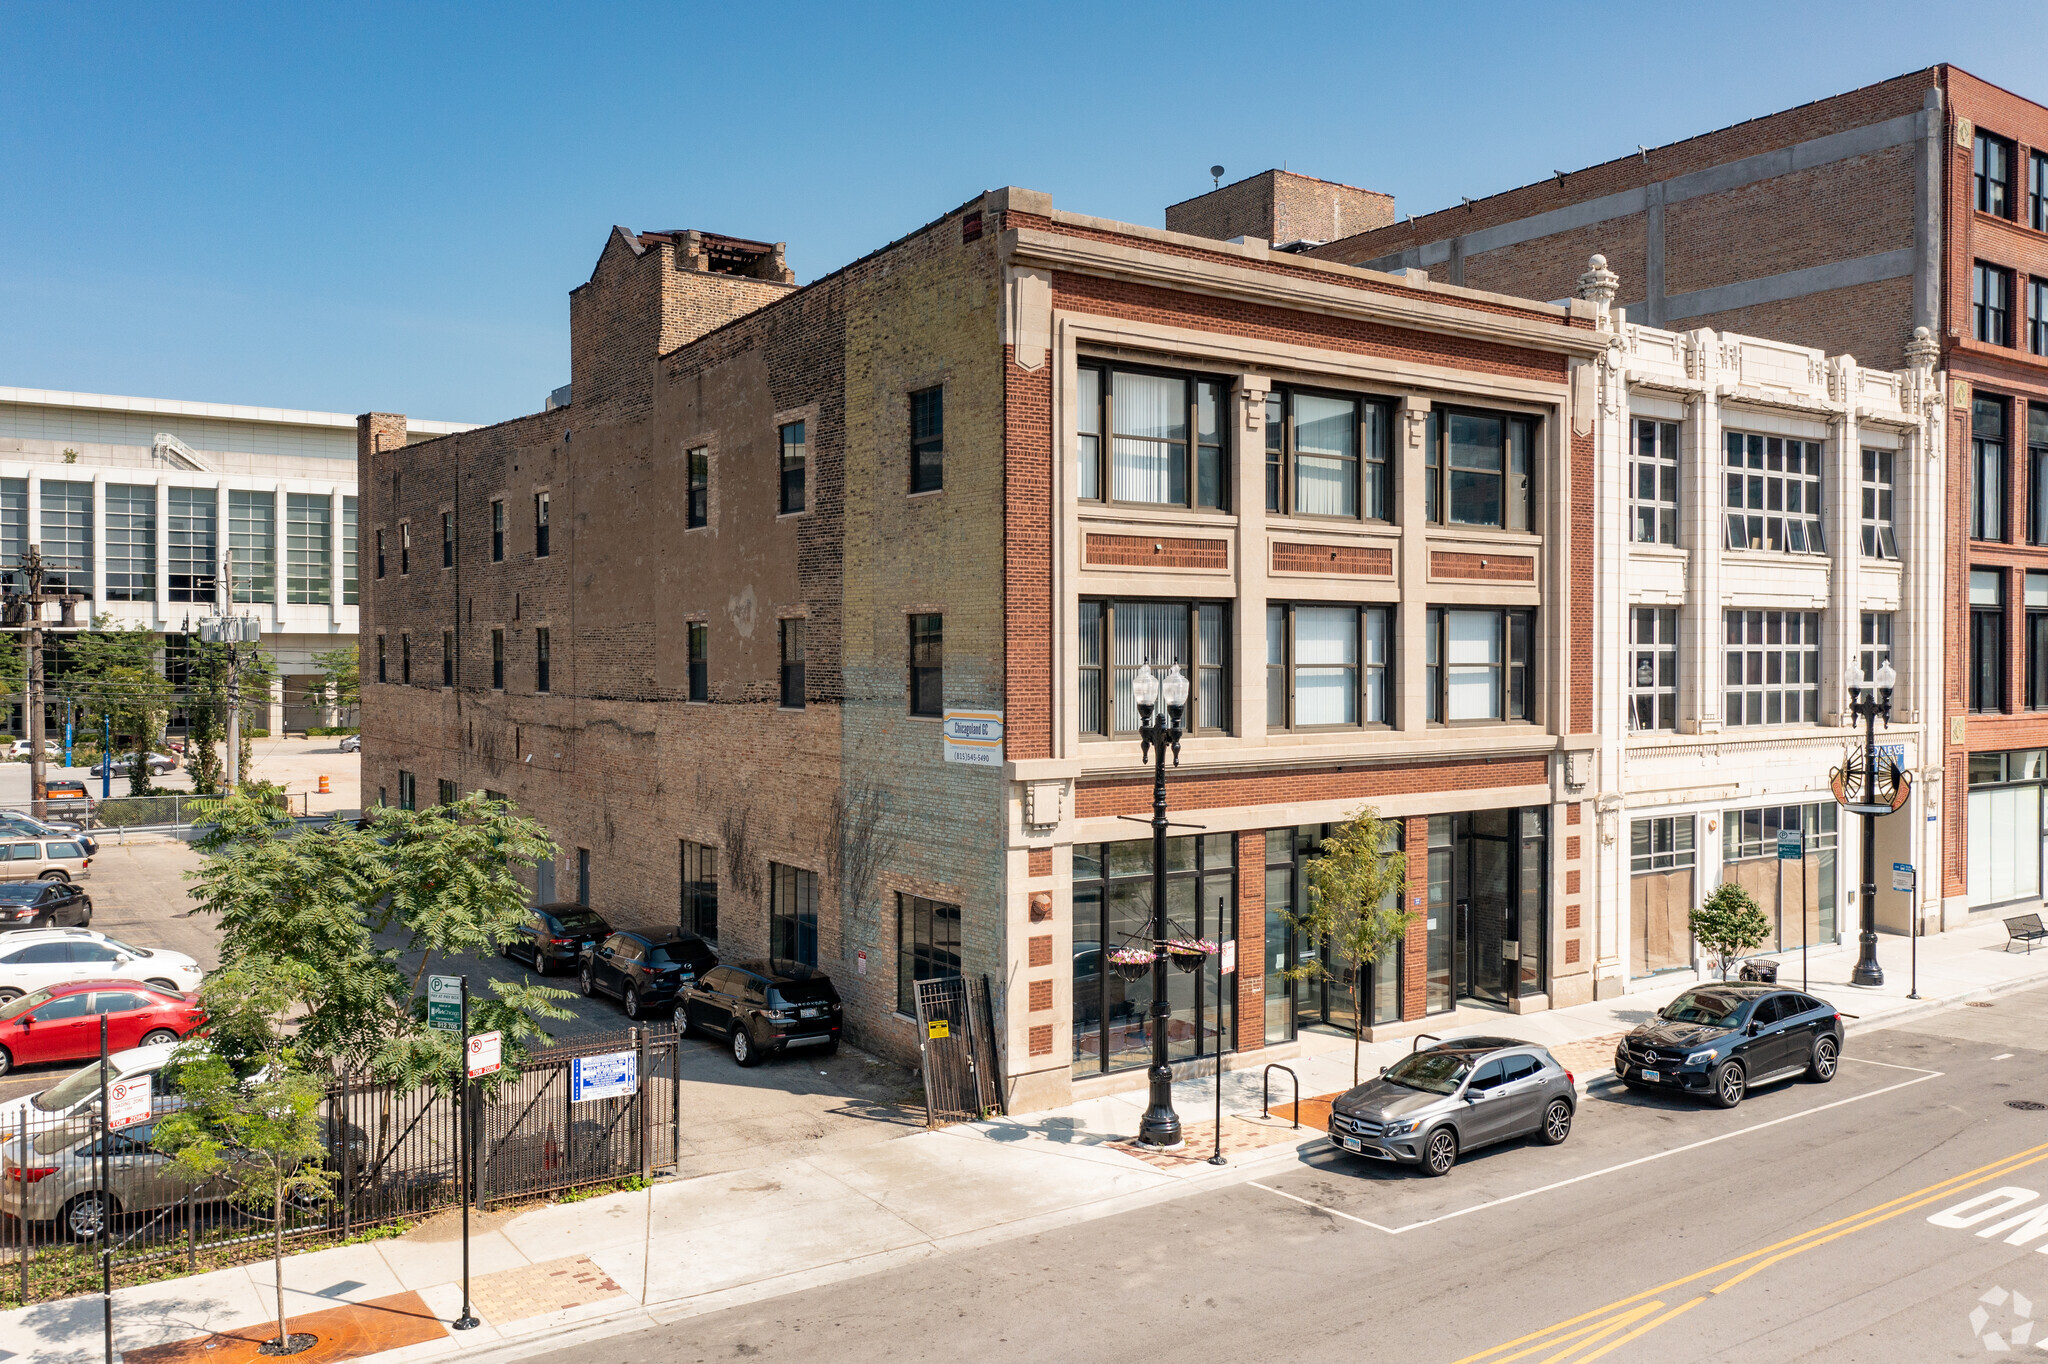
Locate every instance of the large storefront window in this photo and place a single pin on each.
(1749, 854)
(1486, 922)
(1660, 890)
(1291, 1003)
(2005, 827)
(1112, 906)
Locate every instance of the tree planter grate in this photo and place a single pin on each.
(2026, 1105)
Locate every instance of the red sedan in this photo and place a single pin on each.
(62, 1022)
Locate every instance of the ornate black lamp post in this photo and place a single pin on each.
(1158, 731)
(1868, 699)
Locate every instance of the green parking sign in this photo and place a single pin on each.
(444, 1003)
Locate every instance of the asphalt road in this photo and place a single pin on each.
(1796, 1227)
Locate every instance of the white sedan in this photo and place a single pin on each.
(79, 1092)
(35, 957)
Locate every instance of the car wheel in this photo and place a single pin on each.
(1827, 1054)
(584, 981)
(540, 962)
(743, 1049)
(54, 876)
(1440, 1153)
(1729, 1085)
(156, 1037)
(82, 1216)
(1557, 1122)
(85, 919)
(631, 1003)
(9, 994)
(159, 983)
(684, 1027)
(6, 1061)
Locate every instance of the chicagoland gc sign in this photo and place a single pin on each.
(974, 737)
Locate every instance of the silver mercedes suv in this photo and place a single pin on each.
(1456, 1096)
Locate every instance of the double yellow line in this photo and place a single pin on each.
(1594, 1332)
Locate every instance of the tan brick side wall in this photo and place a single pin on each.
(1549, 267)
(1415, 954)
(1145, 551)
(1868, 321)
(1211, 791)
(1494, 568)
(1357, 561)
(1280, 207)
(1027, 559)
(1251, 939)
(1839, 211)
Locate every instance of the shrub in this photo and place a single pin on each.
(1729, 924)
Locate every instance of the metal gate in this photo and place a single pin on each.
(956, 1036)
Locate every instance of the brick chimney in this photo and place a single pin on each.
(377, 431)
(1282, 209)
(654, 291)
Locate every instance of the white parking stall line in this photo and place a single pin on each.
(1311, 1203)
(1893, 1065)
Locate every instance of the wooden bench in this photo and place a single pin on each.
(2026, 928)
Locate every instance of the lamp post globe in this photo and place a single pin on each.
(1174, 690)
(1145, 688)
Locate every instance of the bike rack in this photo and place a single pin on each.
(1420, 1037)
(1266, 1091)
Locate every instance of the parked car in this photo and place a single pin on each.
(43, 904)
(159, 764)
(1435, 1104)
(62, 1022)
(15, 824)
(645, 971)
(556, 935)
(45, 859)
(35, 957)
(1720, 1041)
(351, 743)
(78, 1093)
(23, 748)
(762, 1008)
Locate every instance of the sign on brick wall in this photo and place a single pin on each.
(974, 737)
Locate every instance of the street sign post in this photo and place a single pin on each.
(615, 1075)
(444, 1003)
(1905, 878)
(128, 1102)
(465, 1129)
(1792, 848)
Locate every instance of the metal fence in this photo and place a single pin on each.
(393, 1154)
(956, 1030)
(171, 810)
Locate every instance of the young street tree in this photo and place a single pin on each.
(1355, 911)
(340, 687)
(1729, 924)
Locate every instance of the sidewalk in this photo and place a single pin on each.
(560, 1274)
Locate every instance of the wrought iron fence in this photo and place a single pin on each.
(956, 1039)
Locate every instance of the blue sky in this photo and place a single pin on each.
(384, 206)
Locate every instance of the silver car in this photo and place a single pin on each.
(1453, 1097)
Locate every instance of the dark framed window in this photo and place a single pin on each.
(543, 659)
(447, 658)
(1773, 493)
(1480, 665)
(1662, 856)
(1987, 468)
(700, 662)
(699, 464)
(1653, 668)
(404, 548)
(791, 644)
(380, 551)
(408, 791)
(928, 664)
(2037, 473)
(1327, 455)
(1112, 904)
(2037, 195)
(195, 546)
(700, 890)
(1118, 637)
(447, 539)
(131, 541)
(795, 454)
(927, 946)
(1152, 418)
(1991, 304)
(447, 794)
(308, 548)
(497, 530)
(381, 672)
(2036, 591)
(1326, 666)
(1987, 640)
(1749, 850)
(1994, 175)
(405, 659)
(1880, 536)
(540, 525)
(1772, 667)
(2037, 316)
(1479, 469)
(583, 877)
(1876, 643)
(928, 440)
(1653, 482)
(792, 914)
(497, 660)
(1291, 1003)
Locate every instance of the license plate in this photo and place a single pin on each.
(1352, 1144)
(1653, 1075)
(810, 1013)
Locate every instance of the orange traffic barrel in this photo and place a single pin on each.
(323, 784)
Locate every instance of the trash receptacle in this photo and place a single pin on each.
(1763, 971)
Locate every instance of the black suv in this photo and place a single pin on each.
(762, 1007)
(644, 971)
(557, 934)
(1720, 1040)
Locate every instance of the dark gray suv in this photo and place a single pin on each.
(1456, 1096)
(1720, 1041)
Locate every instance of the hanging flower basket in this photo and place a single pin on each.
(1131, 963)
(1189, 953)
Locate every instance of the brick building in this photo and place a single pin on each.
(706, 620)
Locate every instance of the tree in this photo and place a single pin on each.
(340, 687)
(249, 1108)
(1356, 885)
(114, 677)
(1729, 924)
(208, 676)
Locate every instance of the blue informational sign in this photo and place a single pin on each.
(615, 1075)
(1903, 876)
(1790, 846)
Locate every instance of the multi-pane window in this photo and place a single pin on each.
(1991, 304)
(383, 672)
(308, 549)
(1987, 468)
(2037, 196)
(13, 530)
(700, 890)
(1112, 907)
(404, 548)
(1653, 482)
(1480, 665)
(543, 659)
(1880, 538)
(131, 542)
(447, 539)
(698, 465)
(542, 507)
(1994, 175)
(252, 540)
(2037, 641)
(408, 794)
(2037, 472)
(1773, 493)
(498, 660)
(1119, 637)
(348, 551)
(1327, 455)
(1875, 647)
(1152, 420)
(928, 664)
(448, 795)
(67, 536)
(447, 658)
(1479, 469)
(1653, 668)
(497, 530)
(1987, 639)
(791, 650)
(928, 440)
(2037, 316)
(405, 659)
(792, 914)
(380, 551)
(927, 946)
(795, 454)
(1327, 665)
(1773, 667)
(1661, 859)
(700, 661)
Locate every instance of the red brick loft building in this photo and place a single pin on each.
(706, 621)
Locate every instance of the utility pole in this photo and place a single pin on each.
(233, 631)
(24, 613)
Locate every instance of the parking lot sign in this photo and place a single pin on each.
(484, 1051)
(1903, 877)
(615, 1075)
(444, 1003)
(1790, 845)
(128, 1102)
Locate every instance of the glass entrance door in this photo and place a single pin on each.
(1479, 925)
